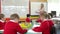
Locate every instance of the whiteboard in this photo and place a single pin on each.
(35, 6)
(20, 10)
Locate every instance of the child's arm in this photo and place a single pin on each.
(43, 27)
(20, 30)
(38, 20)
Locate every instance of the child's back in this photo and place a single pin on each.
(13, 28)
(2, 23)
(28, 18)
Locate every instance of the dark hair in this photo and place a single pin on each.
(50, 14)
(28, 15)
(13, 16)
(2, 16)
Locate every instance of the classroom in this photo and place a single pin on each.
(29, 16)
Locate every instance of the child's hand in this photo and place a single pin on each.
(36, 21)
(26, 29)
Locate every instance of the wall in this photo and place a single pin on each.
(0, 6)
(54, 5)
(9, 6)
(38, 0)
(20, 7)
(35, 6)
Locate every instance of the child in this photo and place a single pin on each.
(12, 27)
(28, 20)
(39, 20)
(45, 25)
(2, 23)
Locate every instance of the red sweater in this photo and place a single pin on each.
(39, 20)
(50, 23)
(28, 20)
(13, 28)
(44, 28)
(2, 23)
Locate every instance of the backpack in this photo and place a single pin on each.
(53, 30)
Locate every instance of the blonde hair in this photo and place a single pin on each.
(2, 16)
(14, 16)
(42, 5)
(45, 15)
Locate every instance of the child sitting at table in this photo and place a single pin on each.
(28, 20)
(12, 27)
(2, 22)
(39, 20)
(45, 26)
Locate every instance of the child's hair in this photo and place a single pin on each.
(28, 15)
(14, 16)
(45, 15)
(2, 16)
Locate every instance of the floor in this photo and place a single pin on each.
(58, 31)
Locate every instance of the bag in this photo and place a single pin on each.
(53, 30)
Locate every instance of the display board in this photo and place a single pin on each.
(35, 7)
(21, 8)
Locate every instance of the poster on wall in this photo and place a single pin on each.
(35, 7)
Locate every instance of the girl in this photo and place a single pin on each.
(45, 25)
(40, 17)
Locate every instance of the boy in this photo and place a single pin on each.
(2, 23)
(28, 20)
(12, 27)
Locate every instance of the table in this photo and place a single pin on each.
(1, 31)
(32, 32)
(29, 32)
